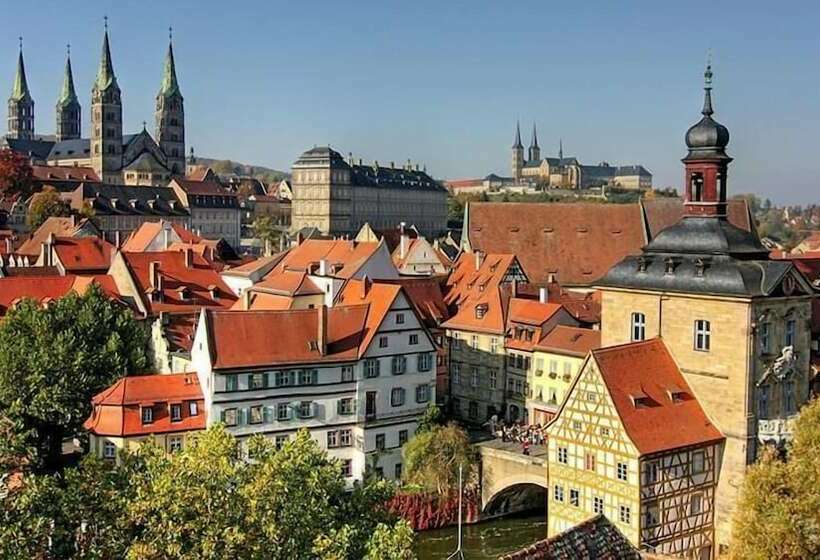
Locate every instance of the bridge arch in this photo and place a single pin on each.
(510, 480)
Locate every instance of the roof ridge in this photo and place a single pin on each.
(633, 343)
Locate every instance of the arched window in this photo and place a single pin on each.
(696, 187)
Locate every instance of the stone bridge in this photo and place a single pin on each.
(510, 480)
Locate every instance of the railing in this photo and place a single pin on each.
(778, 429)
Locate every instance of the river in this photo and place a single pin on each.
(483, 541)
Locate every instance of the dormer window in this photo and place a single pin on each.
(480, 310)
(176, 412)
(147, 415)
(700, 267)
(639, 399)
(184, 293)
(643, 262)
(676, 394)
(669, 265)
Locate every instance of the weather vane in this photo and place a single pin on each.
(708, 74)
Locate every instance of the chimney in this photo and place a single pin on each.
(9, 245)
(322, 267)
(154, 277)
(479, 259)
(365, 286)
(189, 257)
(246, 299)
(543, 297)
(117, 238)
(47, 246)
(321, 339)
(165, 240)
(402, 241)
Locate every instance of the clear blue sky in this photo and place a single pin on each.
(443, 83)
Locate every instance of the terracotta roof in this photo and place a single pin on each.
(526, 319)
(117, 410)
(344, 258)
(144, 235)
(60, 227)
(808, 263)
(175, 275)
(570, 340)
(64, 173)
(83, 254)
(463, 183)
(179, 329)
(378, 296)
(199, 173)
(576, 242)
(255, 266)
(640, 377)
(277, 338)
(427, 297)
(45, 288)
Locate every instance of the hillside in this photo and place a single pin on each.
(229, 167)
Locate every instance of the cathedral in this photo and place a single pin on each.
(116, 158)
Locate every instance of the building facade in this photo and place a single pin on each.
(338, 197)
(214, 210)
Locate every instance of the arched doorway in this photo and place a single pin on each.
(517, 498)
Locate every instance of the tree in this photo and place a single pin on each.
(44, 205)
(432, 458)
(54, 359)
(268, 232)
(431, 418)
(16, 175)
(391, 543)
(778, 514)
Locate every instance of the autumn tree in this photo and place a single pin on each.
(15, 174)
(44, 205)
(54, 359)
(269, 233)
(432, 458)
(778, 514)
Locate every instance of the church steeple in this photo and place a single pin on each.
(170, 114)
(517, 143)
(105, 74)
(517, 154)
(68, 106)
(535, 151)
(20, 104)
(106, 119)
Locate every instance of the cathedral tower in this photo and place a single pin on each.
(68, 106)
(106, 120)
(170, 116)
(21, 104)
(517, 154)
(535, 151)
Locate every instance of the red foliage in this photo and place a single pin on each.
(15, 174)
(431, 511)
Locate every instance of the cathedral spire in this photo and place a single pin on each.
(560, 149)
(105, 74)
(169, 85)
(517, 143)
(20, 90)
(67, 94)
(535, 151)
(534, 142)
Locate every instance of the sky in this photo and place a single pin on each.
(443, 82)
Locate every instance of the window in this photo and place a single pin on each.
(457, 373)
(765, 338)
(651, 473)
(284, 378)
(604, 431)
(414, 339)
(598, 505)
(397, 397)
(193, 408)
(397, 471)
(576, 425)
(256, 381)
(347, 374)
(422, 393)
(109, 450)
(695, 504)
(424, 361)
(788, 397)
(791, 328)
(332, 439)
(380, 442)
(306, 409)
(346, 406)
(345, 438)
(638, 327)
(176, 412)
(574, 497)
(651, 517)
(474, 341)
(567, 370)
(257, 415)
(493, 379)
(370, 403)
(347, 468)
(308, 376)
(455, 403)
(589, 461)
(147, 415)
(399, 318)
(622, 471)
(279, 441)
(472, 410)
(229, 416)
(399, 365)
(474, 377)
(763, 401)
(480, 310)
(625, 515)
(282, 412)
(494, 345)
(703, 335)
(402, 437)
(371, 368)
(382, 342)
(558, 493)
(231, 383)
(698, 462)
(554, 367)
(562, 455)
(175, 444)
(592, 397)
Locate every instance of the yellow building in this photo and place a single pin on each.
(736, 321)
(557, 359)
(613, 450)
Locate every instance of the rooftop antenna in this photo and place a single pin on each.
(458, 554)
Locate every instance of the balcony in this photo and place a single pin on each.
(775, 430)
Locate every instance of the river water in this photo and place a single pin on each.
(483, 541)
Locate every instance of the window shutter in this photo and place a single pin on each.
(241, 416)
(292, 377)
(314, 376)
(378, 366)
(268, 414)
(222, 416)
(250, 381)
(266, 380)
(339, 407)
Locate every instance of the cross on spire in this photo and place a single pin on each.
(170, 33)
(105, 20)
(20, 39)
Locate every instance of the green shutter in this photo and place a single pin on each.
(222, 416)
(315, 376)
(268, 414)
(265, 380)
(292, 377)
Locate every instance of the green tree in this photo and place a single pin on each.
(54, 359)
(778, 514)
(391, 543)
(431, 418)
(268, 232)
(432, 459)
(44, 205)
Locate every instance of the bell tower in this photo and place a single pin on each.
(707, 162)
(517, 154)
(535, 151)
(21, 104)
(68, 106)
(106, 119)
(170, 115)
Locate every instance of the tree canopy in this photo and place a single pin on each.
(778, 514)
(432, 458)
(204, 502)
(44, 205)
(15, 174)
(53, 359)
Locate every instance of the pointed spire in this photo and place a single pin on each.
(518, 143)
(561, 149)
(707, 87)
(67, 95)
(534, 142)
(105, 74)
(169, 85)
(20, 90)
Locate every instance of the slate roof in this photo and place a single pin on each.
(628, 170)
(130, 200)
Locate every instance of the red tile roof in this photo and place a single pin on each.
(83, 254)
(45, 288)
(646, 371)
(144, 235)
(179, 330)
(427, 297)
(242, 339)
(197, 278)
(288, 283)
(379, 298)
(117, 410)
(64, 173)
(60, 227)
(570, 340)
(344, 258)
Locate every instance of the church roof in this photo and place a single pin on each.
(169, 86)
(68, 96)
(105, 75)
(20, 91)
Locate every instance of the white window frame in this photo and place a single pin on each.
(622, 471)
(109, 450)
(637, 326)
(703, 335)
